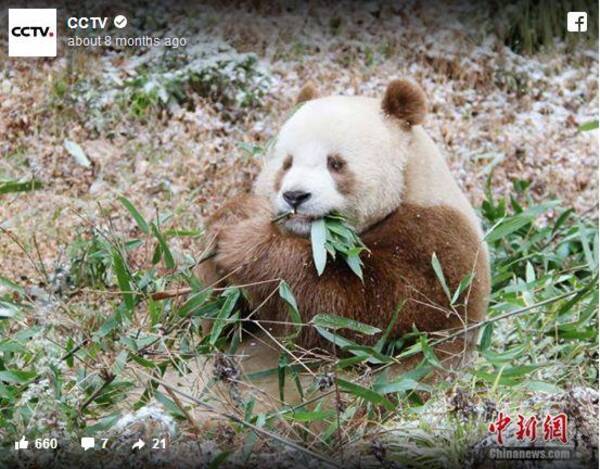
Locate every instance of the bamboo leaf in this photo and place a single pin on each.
(381, 342)
(8, 345)
(355, 264)
(171, 407)
(307, 416)
(541, 386)
(8, 310)
(285, 292)
(7, 187)
(428, 353)
(123, 280)
(462, 286)
(515, 222)
(486, 337)
(318, 238)
(287, 296)
(164, 247)
(367, 394)
(17, 376)
(331, 321)
(281, 369)
(351, 346)
(137, 216)
(506, 356)
(403, 385)
(439, 273)
(219, 323)
(586, 126)
(193, 303)
(589, 258)
(77, 153)
(219, 459)
(107, 327)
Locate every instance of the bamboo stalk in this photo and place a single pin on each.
(282, 217)
(163, 295)
(188, 416)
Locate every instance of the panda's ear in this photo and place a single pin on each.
(308, 92)
(405, 101)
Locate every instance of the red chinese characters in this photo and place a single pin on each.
(554, 428)
(527, 428)
(499, 426)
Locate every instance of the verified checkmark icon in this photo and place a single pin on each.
(120, 21)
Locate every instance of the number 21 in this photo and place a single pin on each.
(159, 444)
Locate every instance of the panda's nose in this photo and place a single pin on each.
(296, 198)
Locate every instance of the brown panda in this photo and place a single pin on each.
(371, 161)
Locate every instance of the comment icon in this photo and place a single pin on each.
(87, 442)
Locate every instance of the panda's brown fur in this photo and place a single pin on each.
(308, 92)
(397, 270)
(405, 101)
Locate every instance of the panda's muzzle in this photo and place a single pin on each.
(296, 198)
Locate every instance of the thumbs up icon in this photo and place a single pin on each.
(22, 443)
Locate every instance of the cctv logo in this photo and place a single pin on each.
(32, 32)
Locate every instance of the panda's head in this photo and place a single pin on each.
(342, 154)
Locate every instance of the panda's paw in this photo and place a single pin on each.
(234, 212)
(236, 230)
(243, 243)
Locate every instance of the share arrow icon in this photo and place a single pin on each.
(138, 444)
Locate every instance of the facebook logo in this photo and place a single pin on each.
(577, 21)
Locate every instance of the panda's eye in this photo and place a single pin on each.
(335, 163)
(287, 163)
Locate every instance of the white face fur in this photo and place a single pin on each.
(345, 154)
